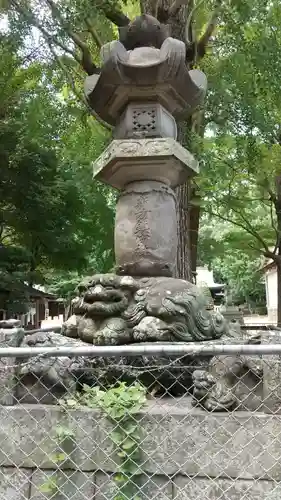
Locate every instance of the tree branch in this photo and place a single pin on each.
(59, 44)
(86, 60)
(247, 227)
(189, 20)
(272, 196)
(142, 7)
(268, 254)
(210, 28)
(225, 219)
(94, 34)
(250, 229)
(153, 11)
(116, 17)
(30, 17)
(273, 223)
(176, 6)
(256, 249)
(81, 97)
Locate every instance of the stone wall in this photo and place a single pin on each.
(187, 454)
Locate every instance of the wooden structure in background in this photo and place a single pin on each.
(41, 305)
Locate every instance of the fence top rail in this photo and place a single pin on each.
(176, 349)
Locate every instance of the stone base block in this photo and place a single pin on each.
(186, 454)
(175, 440)
(72, 485)
(14, 483)
(188, 488)
(147, 487)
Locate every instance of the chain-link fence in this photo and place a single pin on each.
(141, 422)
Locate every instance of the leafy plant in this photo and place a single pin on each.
(62, 435)
(121, 405)
(50, 487)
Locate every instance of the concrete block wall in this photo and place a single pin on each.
(25, 484)
(187, 454)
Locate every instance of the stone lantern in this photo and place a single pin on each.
(142, 92)
(143, 88)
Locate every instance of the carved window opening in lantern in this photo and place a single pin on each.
(141, 120)
(144, 120)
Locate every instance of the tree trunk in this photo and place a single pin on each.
(278, 257)
(183, 268)
(177, 25)
(278, 267)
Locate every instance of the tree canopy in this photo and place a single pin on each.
(240, 184)
(52, 214)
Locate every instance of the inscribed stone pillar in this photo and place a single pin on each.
(146, 230)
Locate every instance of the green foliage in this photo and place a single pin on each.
(243, 276)
(51, 212)
(241, 157)
(14, 269)
(63, 436)
(118, 402)
(63, 432)
(39, 205)
(240, 209)
(50, 486)
(121, 405)
(227, 250)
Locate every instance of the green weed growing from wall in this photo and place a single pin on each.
(121, 405)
